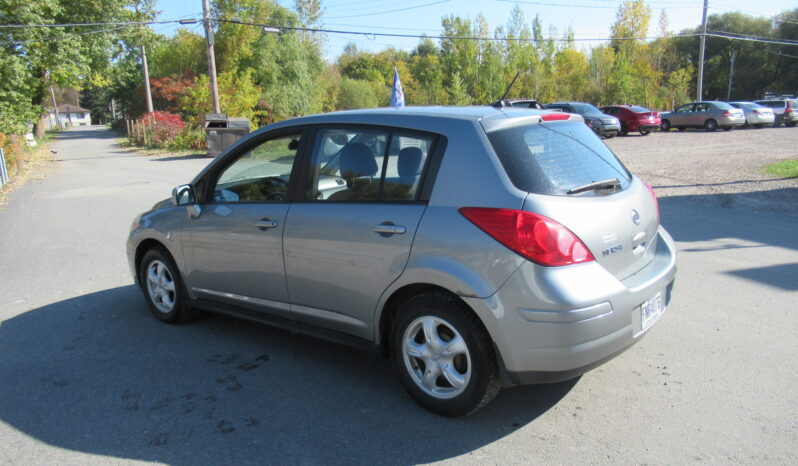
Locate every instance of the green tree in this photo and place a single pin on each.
(60, 55)
(356, 94)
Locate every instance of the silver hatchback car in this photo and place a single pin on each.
(477, 247)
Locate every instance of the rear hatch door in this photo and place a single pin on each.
(556, 162)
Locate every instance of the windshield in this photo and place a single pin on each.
(554, 158)
(583, 109)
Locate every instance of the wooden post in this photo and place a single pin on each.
(127, 128)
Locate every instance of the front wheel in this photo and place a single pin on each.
(645, 132)
(443, 355)
(665, 125)
(163, 288)
(624, 130)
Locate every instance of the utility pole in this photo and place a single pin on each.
(731, 74)
(147, 91)
(206, 14)
(55, 108)
(700, 87)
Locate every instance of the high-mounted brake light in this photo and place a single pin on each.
(533, 236)
(653, 196)
(555, 116)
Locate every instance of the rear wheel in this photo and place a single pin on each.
(163, 288)
(443, 355)
(645, 132)
(665, 125)
(710, 125)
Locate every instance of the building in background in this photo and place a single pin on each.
(70, 115)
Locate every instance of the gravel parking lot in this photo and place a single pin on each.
(724, 167)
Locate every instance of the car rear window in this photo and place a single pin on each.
(637, 109)
(723, 105)
(553, 158)
(772, 103)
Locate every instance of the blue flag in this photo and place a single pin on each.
(397, 95)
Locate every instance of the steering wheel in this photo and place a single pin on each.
(279, 182)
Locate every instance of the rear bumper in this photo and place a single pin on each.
(726, 121)
(585, 317)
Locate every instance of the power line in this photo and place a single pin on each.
(738, 36)
(64, 25)
(572, 5)
(389, 11)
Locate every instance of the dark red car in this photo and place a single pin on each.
(634, 118)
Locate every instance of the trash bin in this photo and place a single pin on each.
(221, 132)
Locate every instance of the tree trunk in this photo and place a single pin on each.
(38, 100)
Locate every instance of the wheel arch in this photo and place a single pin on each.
(401, 295)
(142, 248)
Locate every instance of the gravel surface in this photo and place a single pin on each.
(724, 168)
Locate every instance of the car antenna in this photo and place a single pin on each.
(501, 103)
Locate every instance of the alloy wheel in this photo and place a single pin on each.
(161, 286)
(436, 357)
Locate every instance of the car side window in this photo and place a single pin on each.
(366, 165)
(261, 174)
(685, 108)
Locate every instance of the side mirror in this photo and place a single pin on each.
(183, 195)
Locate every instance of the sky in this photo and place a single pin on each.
(587, 18)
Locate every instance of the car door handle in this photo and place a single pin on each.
(389, 229)
(265, 224)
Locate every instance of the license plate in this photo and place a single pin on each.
(650, 310)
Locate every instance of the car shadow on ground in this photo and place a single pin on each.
(98, 374)
(728, 221)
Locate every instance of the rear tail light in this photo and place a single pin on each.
(788, 107)
(533, 236)
(728, 113)
(653, 196)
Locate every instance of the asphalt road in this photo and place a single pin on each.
(88, 376)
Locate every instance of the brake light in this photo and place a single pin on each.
(653, 196)
(533, 236)
(555, 116)
(727, 113)
(788, 107)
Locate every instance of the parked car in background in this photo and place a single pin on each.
(785, 110)
(708, 115)
(477, 247)
(602, 124)
(755, 115)
(518, 103)
(634, 118)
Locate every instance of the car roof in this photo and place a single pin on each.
(398, 115)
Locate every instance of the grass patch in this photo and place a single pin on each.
(784, 169)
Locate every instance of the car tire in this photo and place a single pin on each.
(163, 287)
(682, 128)
(645, 132)
(451, 382)
(759, 126)
(610, 135)
(710, 125)
(665, 125)
(791, 124)
(624, 130)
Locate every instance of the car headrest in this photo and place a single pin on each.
(409, 162)
(357, 160)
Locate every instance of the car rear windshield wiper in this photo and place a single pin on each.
(596, 185)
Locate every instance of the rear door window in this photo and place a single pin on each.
(553, 158)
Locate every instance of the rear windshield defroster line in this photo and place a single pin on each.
(554, 158)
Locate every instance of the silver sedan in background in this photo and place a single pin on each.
(707, 115)
(755, 115)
